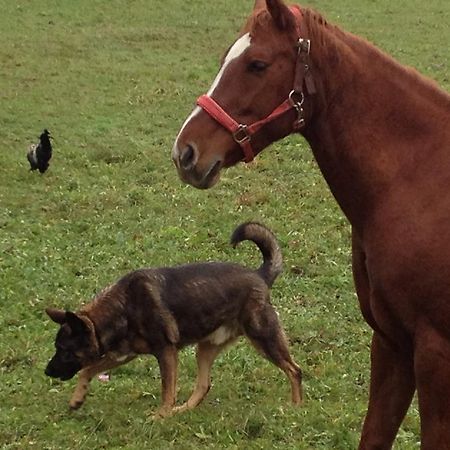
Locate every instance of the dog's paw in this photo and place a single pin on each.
(75, 404)
(162, 413)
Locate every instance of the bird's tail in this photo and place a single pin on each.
(31, 156)
(267, 243)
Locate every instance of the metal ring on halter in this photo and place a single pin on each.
(293, 102)
(300, 122)
(241, 135)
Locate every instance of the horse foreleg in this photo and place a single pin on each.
(392, 387)
(392, 376)
(432, 367)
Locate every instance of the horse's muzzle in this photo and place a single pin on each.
(189, 170)
(188, 158)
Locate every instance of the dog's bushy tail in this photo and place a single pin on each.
(267, 243)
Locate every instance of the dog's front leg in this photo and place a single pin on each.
(206, 354)
(85, 376)
(81, 389)
(168, 366)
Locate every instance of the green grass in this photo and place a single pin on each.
(113, 81)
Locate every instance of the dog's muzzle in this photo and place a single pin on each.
(63, 375)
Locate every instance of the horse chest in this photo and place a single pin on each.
(408, 282)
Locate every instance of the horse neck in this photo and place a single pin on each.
(367, 119)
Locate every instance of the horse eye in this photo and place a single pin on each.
(257, 66)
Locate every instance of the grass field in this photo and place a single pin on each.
(113, 81)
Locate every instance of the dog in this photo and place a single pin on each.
(39, 154)
(159, 311)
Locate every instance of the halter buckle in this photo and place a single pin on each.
(241, 134)
(304, 45)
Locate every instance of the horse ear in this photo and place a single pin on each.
(259, 4)
(281, 14)
(57, 315)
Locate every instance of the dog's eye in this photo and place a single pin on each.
(257, 66)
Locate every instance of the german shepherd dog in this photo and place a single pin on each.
(159, 311)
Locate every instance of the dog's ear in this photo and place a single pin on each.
(57, 315)
(75, 323)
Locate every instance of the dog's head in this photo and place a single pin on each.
(76, 344)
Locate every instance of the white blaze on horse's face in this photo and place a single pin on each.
(235, 51)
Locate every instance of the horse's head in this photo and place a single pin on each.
(254, 100)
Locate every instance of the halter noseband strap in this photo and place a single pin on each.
(242, 134)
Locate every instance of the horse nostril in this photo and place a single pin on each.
(188, 157)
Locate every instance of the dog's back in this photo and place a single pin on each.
(203, 296)
(200, 297)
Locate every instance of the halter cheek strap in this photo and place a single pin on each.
(242, 133)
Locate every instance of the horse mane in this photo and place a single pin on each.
(332, 43)
(259, 18)
(318, 30)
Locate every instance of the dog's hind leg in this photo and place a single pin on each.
(168, 366)
(85, 376)
(264, 331)
(207, 352)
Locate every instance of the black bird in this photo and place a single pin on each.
(40, 154)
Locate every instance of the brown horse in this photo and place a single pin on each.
(380, 134)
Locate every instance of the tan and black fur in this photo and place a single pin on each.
(159, 311)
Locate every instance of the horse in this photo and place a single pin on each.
(380, 134)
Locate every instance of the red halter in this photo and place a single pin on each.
(242, 133)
